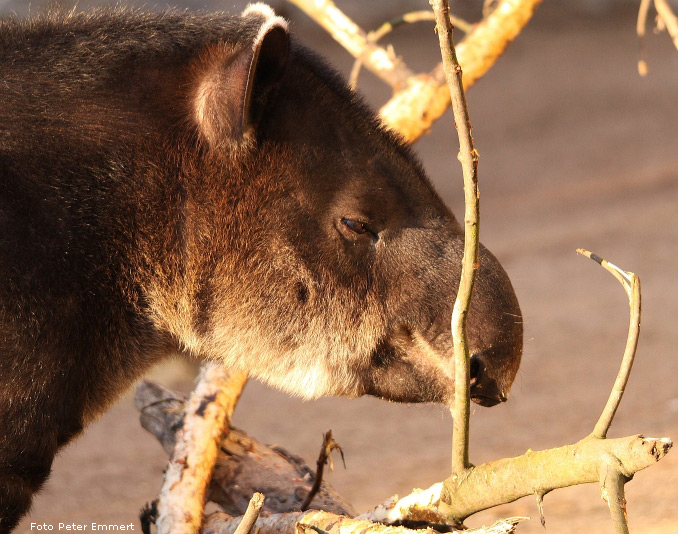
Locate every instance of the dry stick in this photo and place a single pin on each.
(631, 284)
(324, 457)
(641, 24)
(595, 458)
(251, 514)
(469, 164)
(383, 63)
(612, 474)
(665, 17)
(413, 110)
(387, 27)
(181, 501)
(668, 18)
(243, 465)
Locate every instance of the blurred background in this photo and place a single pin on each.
(576, 150)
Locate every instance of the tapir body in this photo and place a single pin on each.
(204, 184)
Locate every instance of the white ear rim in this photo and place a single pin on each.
(270, 23)
(259, 8)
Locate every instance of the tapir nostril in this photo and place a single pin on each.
(476, 370)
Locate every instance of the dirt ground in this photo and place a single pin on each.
(576, 151)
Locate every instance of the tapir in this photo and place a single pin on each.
(205, 184)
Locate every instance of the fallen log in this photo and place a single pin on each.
(243, 464)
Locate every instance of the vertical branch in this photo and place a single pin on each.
(469, 163)
(603, 424)
(641, 23)
(631, 284)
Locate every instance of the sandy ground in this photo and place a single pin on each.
(576, 150)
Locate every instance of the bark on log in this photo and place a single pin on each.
(318, 521)
(243, 466)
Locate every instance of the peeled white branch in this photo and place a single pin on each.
(182, 498)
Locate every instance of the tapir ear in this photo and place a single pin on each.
(235, 87)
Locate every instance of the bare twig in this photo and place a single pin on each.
(631, 284)
(245, 464)
(469, 164)
(641, 24)
(669, 19)
(666, 19)
(251, 515)
(387, 27)
(181, 501)
(383, 63)
(324, 457)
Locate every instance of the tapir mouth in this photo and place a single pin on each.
(484, 389)
(488, 402)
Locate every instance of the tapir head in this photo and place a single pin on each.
(328, 265)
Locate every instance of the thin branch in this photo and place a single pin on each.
(181, 501)
(631, 284)
(412, 111)
(324, 457)
(383, 63)
(469, 164)
(668, 18)
(641, 24)
(387, 27)
(251, 515)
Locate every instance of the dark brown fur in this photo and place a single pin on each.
(195, 183)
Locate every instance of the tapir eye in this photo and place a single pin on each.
(355, 226)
